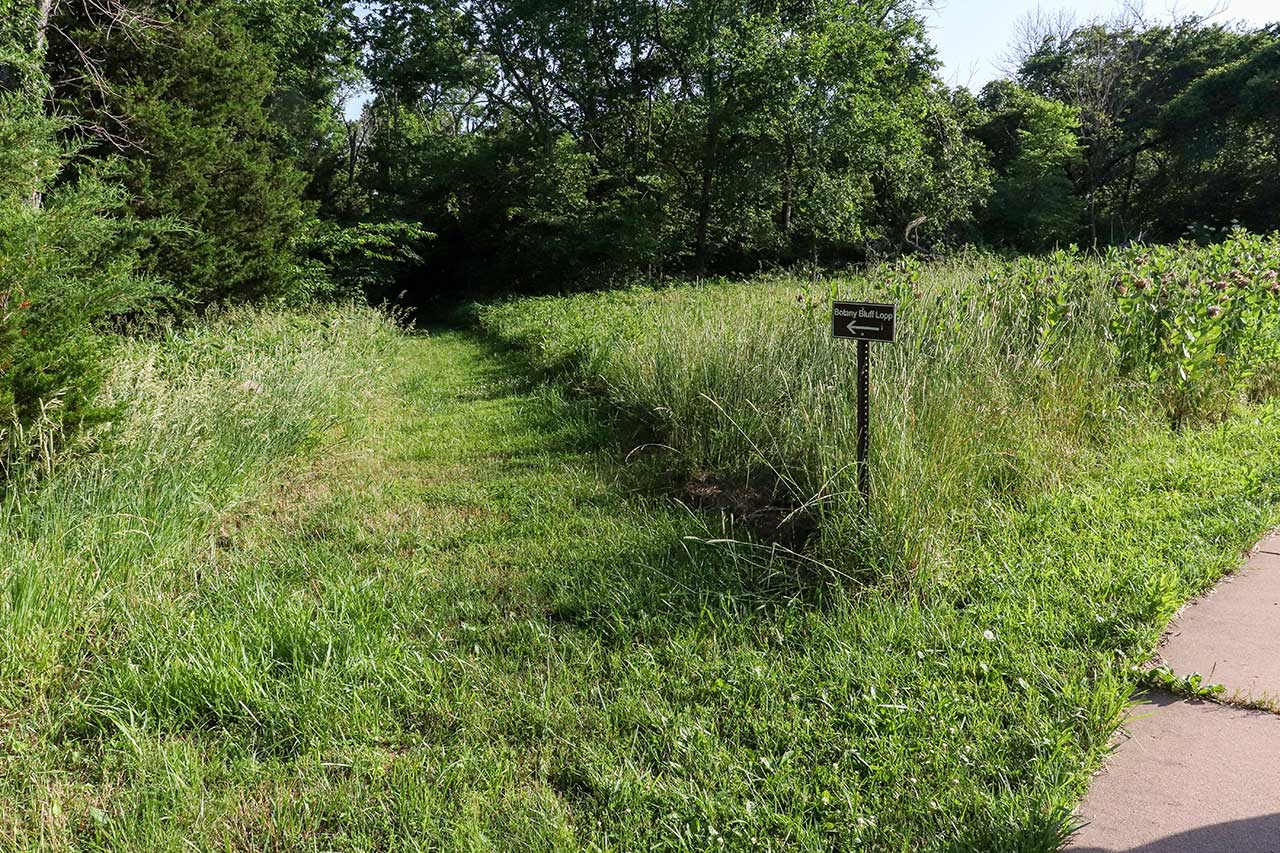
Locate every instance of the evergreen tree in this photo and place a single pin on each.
(67, 266)
(184, 102)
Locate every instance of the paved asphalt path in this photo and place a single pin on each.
(1201, 776)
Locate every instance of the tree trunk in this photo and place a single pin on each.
(44, 11)
(704, 220)
(709, 150)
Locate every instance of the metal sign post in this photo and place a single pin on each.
(863, 322)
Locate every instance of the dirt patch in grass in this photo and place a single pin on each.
(306, 486)
(767, 513)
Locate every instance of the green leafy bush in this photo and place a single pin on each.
(350, 262)
(1197, 326)
(1203, 326)
(66, 266)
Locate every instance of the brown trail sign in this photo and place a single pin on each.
(864, 322)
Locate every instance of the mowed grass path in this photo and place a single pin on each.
(460, 635)
(484, 629)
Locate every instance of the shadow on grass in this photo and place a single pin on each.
(1250, 835)
(645, 464)
(719, 555)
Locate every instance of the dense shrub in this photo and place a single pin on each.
(360, 260)
(1199, 327)
(186, 106)
(66, 265)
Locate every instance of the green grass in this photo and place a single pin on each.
(745, 379)
(93, 542)
(468, 619)
(1006, 381)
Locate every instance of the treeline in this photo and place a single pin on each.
(510, 143)
(161, 156)
(546, 143)
(1129, 131)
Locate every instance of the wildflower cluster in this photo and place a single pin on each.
(1198, 324)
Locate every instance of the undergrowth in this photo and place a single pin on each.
(1007, 379)
(203, 416)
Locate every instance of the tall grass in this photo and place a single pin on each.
(1006, 377)
(203, 414)
(472, 629)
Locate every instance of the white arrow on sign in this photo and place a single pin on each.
(855, 328)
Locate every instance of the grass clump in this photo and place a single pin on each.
(202, 416)
(1007, 378)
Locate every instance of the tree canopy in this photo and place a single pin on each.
(521, 144)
